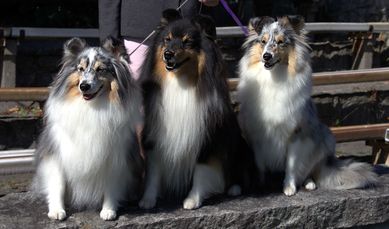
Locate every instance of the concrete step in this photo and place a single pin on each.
(317, 209)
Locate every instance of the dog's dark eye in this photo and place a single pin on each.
(187, 42)
(80, 69)
(167, 39)
(280, 42)
(263, 42)
(100, 69)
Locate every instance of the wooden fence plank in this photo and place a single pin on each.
(24, 94)
(323, 78)
(360, 132)
(340, 77)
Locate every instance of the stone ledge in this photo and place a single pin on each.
(317, 209)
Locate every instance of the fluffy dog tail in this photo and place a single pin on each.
(345, 174)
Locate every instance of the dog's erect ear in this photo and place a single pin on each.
(295, 21)
(256, 24)
(115, 47)
(206, 25)
(73, 47)
(168, 16)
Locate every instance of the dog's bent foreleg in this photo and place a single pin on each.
(299, 163)
(208, 179)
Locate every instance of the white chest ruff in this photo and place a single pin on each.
(270, 111)
(181, 133)
(89, 140)
(273, 103)
(183, 121)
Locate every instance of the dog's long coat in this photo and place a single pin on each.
(278, 116)
(87, 154)
(191, 136)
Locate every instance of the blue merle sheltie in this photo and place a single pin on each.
(278, 116)
(87, 155)
(191, 136)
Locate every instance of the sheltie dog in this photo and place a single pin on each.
(88, 155)
(278, 116)
(191, 136)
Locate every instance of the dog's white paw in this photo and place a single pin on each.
(108, 214)
(191, 203)
(58, 214)
(147, 203)
(234, 190)
(310, 185)
(290, 190)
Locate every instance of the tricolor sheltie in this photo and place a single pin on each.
(88, 155)
(278, 116)
(191, 136)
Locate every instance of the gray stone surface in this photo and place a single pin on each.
(317, 209)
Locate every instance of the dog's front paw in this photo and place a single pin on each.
(310, 185)
(108, 214)
(191, 203)
(147, 203)
(290, 190)
(58, 214)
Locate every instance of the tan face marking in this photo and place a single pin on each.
(255, 54)
(265, 38)
(196, 60)
(110, 85)
(99, 65)
(185, 38)
(73, 81)
(292, 61)
(83, 64)
(159, 69)
(114, 91)
(187, 69)
(201, 63)
(280, 39)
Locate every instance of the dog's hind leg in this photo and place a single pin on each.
(54, 185)
(208, 179)
(299, 163)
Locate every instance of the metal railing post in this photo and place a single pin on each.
(8, 73)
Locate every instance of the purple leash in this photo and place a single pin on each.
(236, 19)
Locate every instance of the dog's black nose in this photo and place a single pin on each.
(168, 54)
(84, 86)
(267, 56)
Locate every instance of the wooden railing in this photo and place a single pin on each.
(323, 78)
(360, 132)
(340, 77)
